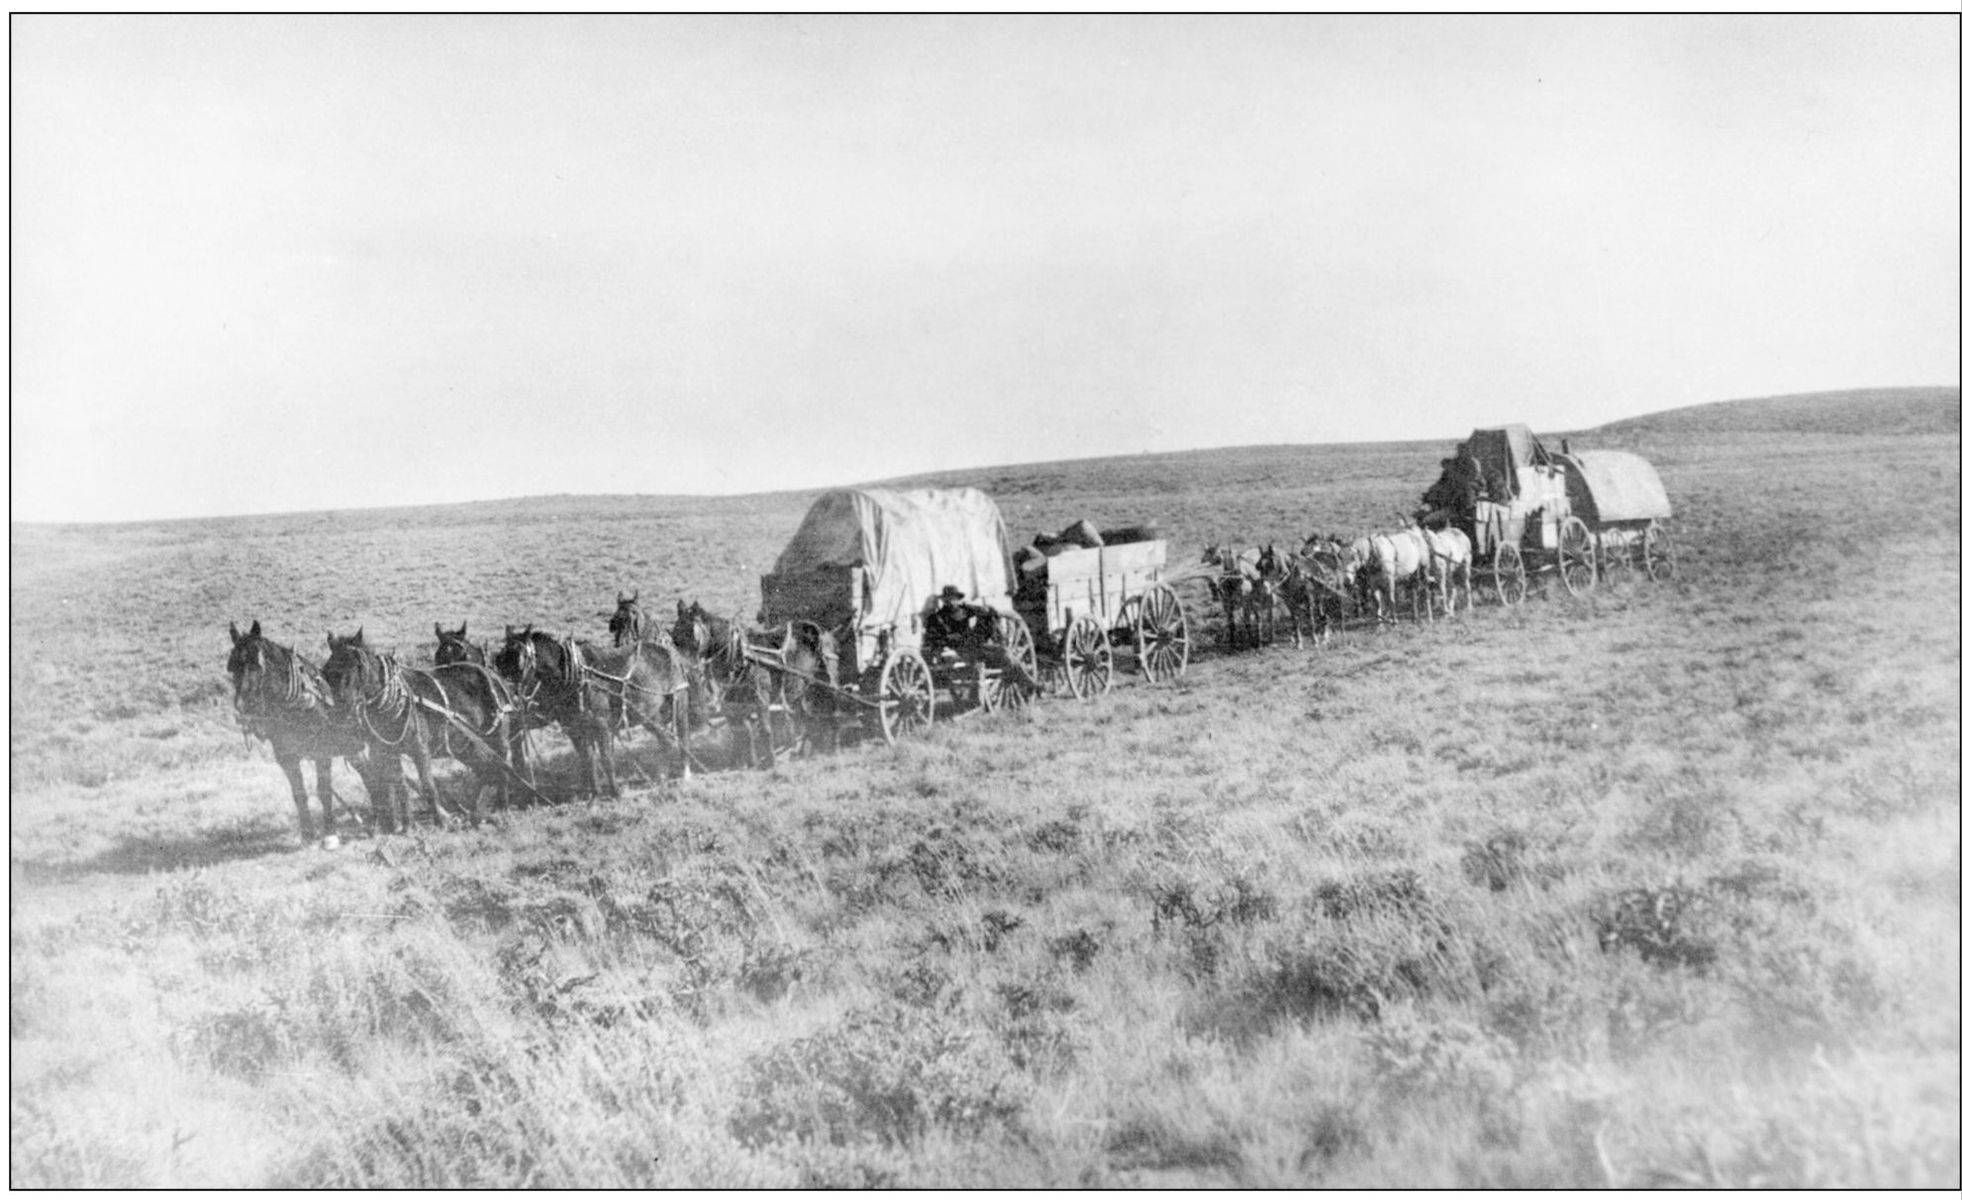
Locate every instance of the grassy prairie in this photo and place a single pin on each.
(1641, 888)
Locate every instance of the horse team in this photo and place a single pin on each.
(479, 708)
(1325, 579)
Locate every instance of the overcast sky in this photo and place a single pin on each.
(274, 263)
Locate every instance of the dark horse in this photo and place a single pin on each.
(455, 646)
(280, 696)
(753, 676)
(594, 693)
(460, 711)
(630, 625)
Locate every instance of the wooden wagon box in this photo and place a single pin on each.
(1094, 582)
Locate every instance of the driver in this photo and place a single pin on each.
(953, 623)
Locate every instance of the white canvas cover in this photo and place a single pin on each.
(911, 544)
(1614, 485)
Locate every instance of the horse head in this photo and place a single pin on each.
(350, 667)
(248, 654)
(628, 622)
(516, 656)
(455, 646)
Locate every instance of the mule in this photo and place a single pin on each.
(280, 695)
(1451, 559)
(459, 711)
(1232, 586)
(630, 625)
(595, 693)
(1270, 570)
(1400, 558)
(1312, 590)
(788, 673)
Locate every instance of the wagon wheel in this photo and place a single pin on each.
(1576, 556)
(905, 696)
(1018, 646)
(1658, 553)
(1509, 574)
(1164, 642)
(1086, 658)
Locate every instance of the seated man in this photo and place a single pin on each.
(954, 624)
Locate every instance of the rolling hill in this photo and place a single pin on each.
(1858, 411)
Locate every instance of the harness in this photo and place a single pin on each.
(256, 691)
(393, 703)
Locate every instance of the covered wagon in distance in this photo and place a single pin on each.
(1533, 513)
(870, 566)
(1620, 499)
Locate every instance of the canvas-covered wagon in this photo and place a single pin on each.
(1509, 493)
(1082, 599)
(1620, 498)
(878, 569)
(1532, 513)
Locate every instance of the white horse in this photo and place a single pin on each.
(1395, 558)
(1451, 556)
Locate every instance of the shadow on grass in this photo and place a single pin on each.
(143, 855)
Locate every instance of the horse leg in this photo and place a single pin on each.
(678, 705)
(289, 762)
(323, 783)
(521, 757)
(419, 751)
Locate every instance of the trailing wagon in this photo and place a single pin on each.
(1532, 513)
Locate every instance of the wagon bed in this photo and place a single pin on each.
(1083, 602)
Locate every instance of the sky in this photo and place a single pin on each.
(270, 264)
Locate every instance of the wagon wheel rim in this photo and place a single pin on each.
(1129, 628)
(1101, 669)
(1074, 655)
(1086, 658)
(1164, 642)
(1658, 554)
(1509, 575)
(1018, 644)
(987, 687)
(1576, 556)
(905, 696)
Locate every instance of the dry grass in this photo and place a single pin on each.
(1638, 889)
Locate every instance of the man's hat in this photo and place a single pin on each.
(950, 592)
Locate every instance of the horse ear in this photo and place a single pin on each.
(463, 629)
(636, 596)
(510, 631)
(619, 597)
(234, 627)
(680, 610)
(254, 631)
(359, 639)
(439, 631)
